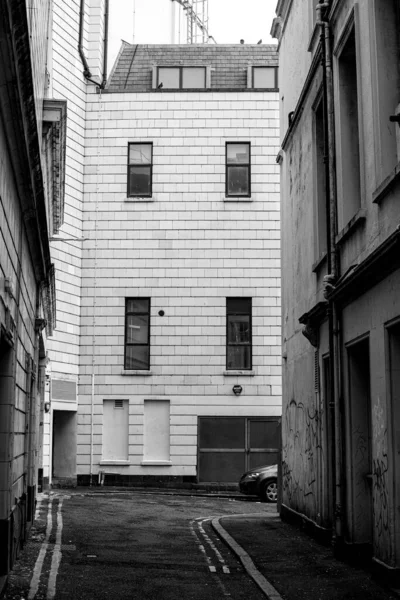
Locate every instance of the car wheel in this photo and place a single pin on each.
(269, 491)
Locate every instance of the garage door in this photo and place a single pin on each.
(228, 446)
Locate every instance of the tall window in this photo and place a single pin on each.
(350, 192)
(181, 77)
(386, 81)
(238, 334)
(140, 170)
(320, 180)
(137, 333)
(238, 173)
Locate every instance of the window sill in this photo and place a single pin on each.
(352, 225)
(132, 372)
(249, 373)
(319, 262)
(238, 199)
(119, 463)
(156, 463)
(139, 199)
(387, 184)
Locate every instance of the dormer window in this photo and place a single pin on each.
(181, 78)
(264, 78)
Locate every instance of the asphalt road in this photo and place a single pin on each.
(131, 545)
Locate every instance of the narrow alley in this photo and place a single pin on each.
(117, 544)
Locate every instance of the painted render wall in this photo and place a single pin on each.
(305, 422)
(187, 249)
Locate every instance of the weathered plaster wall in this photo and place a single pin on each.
(368, 315)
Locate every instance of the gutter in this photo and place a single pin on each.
(86, 71)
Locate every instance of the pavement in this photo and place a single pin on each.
(283, 561)
(287, 564)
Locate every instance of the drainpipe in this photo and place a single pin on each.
(105, 45)
(333, 271)
(86, 71)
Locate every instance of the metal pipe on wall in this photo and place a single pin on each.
(322, 10)
(86, 71)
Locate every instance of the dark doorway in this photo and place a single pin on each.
(394, 430)
(359, 461)
(64, 446)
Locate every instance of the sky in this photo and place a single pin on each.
(229, 22)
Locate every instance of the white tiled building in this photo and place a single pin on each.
(178, 271)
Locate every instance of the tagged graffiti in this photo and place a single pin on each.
(299, 454)
(380, 495)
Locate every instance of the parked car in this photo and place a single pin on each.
(262, 482)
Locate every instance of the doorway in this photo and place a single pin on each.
(394, 431)
(359, 461)
(64, 447)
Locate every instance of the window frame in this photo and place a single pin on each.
(250, 343)
(130, 195)
(265, 67)
(181, 68)
(248, 165)
(319, 177)
(126, 344)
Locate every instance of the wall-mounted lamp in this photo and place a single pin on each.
(237, 390)
(47, 407)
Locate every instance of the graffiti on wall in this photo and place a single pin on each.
(300, 455)
(381, 492)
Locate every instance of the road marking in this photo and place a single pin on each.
(34, 586)
(201, 547)
(211, 544)
(265, 586)
(56, 558)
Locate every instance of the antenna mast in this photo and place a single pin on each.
(197, 20)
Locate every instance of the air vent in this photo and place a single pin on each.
(118, 404)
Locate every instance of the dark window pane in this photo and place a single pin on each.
(238, 357)
(140, 154)
(238, 181)
(193, 77)
(139, 181)
(238, 154)
(238, 329)
(137, 357)
(138, 305)
(137, 329)
(241, 306)
(169, 77)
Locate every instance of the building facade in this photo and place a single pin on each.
(340, 126)
(176, 370)
(32, 139)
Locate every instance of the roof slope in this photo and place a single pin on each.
(132, 71)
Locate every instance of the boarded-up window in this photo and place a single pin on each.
(115, 429)
(156, 430)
